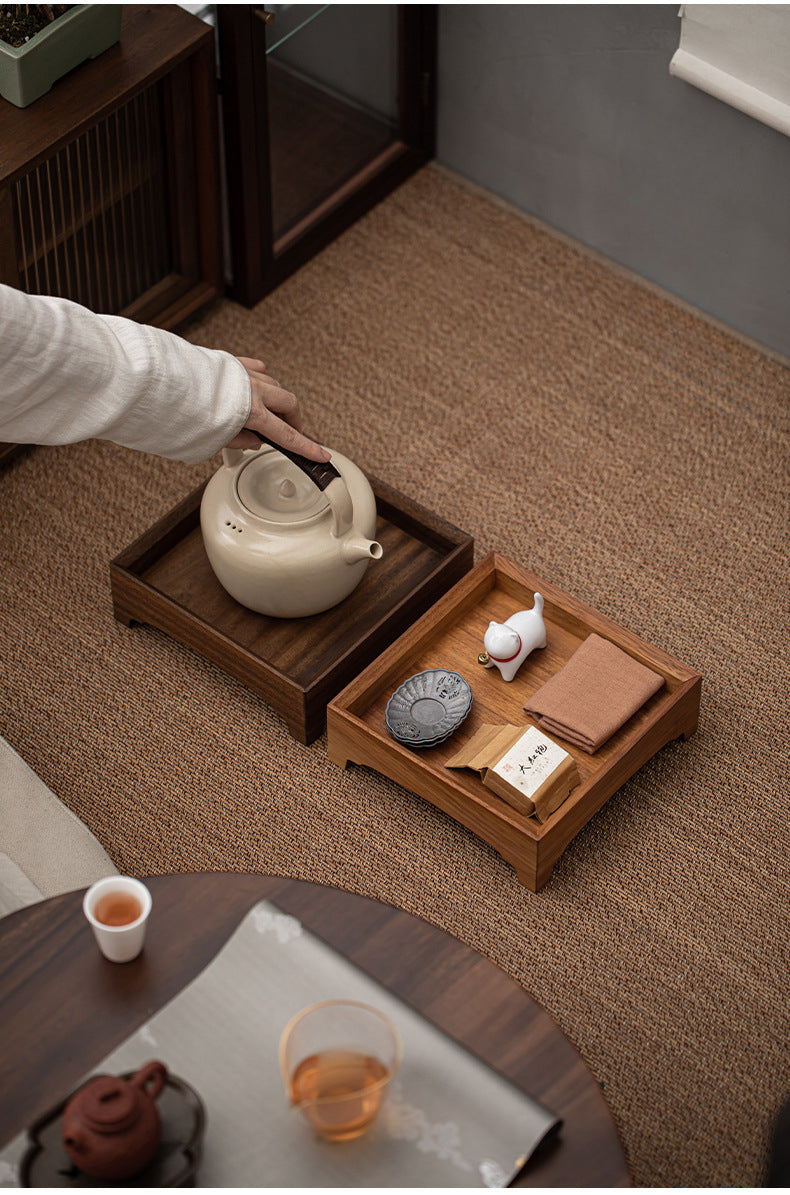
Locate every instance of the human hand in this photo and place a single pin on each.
(274, 412)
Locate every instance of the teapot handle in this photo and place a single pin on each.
(154, 1073)
(319, 472)
(324, 475)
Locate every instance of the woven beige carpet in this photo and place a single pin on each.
(589, 429)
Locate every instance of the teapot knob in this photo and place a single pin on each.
(328, 480)
(287, 488)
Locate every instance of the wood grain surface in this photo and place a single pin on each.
(450, 635)
(297, 665)
(63, 1007)
(152, 43)
(169, 53)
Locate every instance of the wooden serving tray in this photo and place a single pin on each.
(450, 635)
(165, 579)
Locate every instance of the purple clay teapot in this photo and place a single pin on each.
(111, 1126)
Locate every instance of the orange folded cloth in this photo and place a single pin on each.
(596, 692)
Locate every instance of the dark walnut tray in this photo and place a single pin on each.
(450, 635)
(296, 665)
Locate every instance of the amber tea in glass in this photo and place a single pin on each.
(337, 1059)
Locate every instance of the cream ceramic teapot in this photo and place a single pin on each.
(286, 536)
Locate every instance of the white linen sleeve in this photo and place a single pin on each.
(68, 374)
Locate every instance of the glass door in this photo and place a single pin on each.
(333, 102)
(326, 108)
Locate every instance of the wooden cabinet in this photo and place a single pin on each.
(110, 183)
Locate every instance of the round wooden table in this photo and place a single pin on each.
(63, 1007)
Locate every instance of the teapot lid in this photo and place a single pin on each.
(272, 488)
(109, 1104)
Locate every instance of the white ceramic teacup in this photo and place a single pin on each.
(118, 896)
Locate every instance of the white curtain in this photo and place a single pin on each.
(739, 53)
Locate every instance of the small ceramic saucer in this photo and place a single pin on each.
(428, 707)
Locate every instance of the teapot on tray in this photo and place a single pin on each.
(287, 536)
(111, 1127)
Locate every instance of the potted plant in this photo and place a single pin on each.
(39, 43)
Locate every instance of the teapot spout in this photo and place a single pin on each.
(357, 548)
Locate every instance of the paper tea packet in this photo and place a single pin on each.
(522, 765)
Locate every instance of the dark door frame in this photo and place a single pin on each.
(259, 263)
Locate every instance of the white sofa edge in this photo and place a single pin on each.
(44, 847)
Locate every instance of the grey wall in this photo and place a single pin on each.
(569, 112)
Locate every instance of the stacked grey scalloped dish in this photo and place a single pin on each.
(428, 707)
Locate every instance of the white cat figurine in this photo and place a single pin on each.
(507, 644)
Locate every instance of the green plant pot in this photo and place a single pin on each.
(85, 31)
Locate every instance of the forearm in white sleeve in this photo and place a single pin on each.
(67, 374)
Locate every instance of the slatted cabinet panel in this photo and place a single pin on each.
(109, 184)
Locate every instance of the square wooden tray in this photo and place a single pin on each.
(450, 635)
(296, 665)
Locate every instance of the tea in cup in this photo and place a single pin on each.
(117, 910)
(337, 1059)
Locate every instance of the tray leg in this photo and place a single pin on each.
(690, 728)
(122, 616)
(689, 709)
(338, 746)
(121, 609)
(530, 871)
(299, 731)
(527, 876)
(336, 754)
